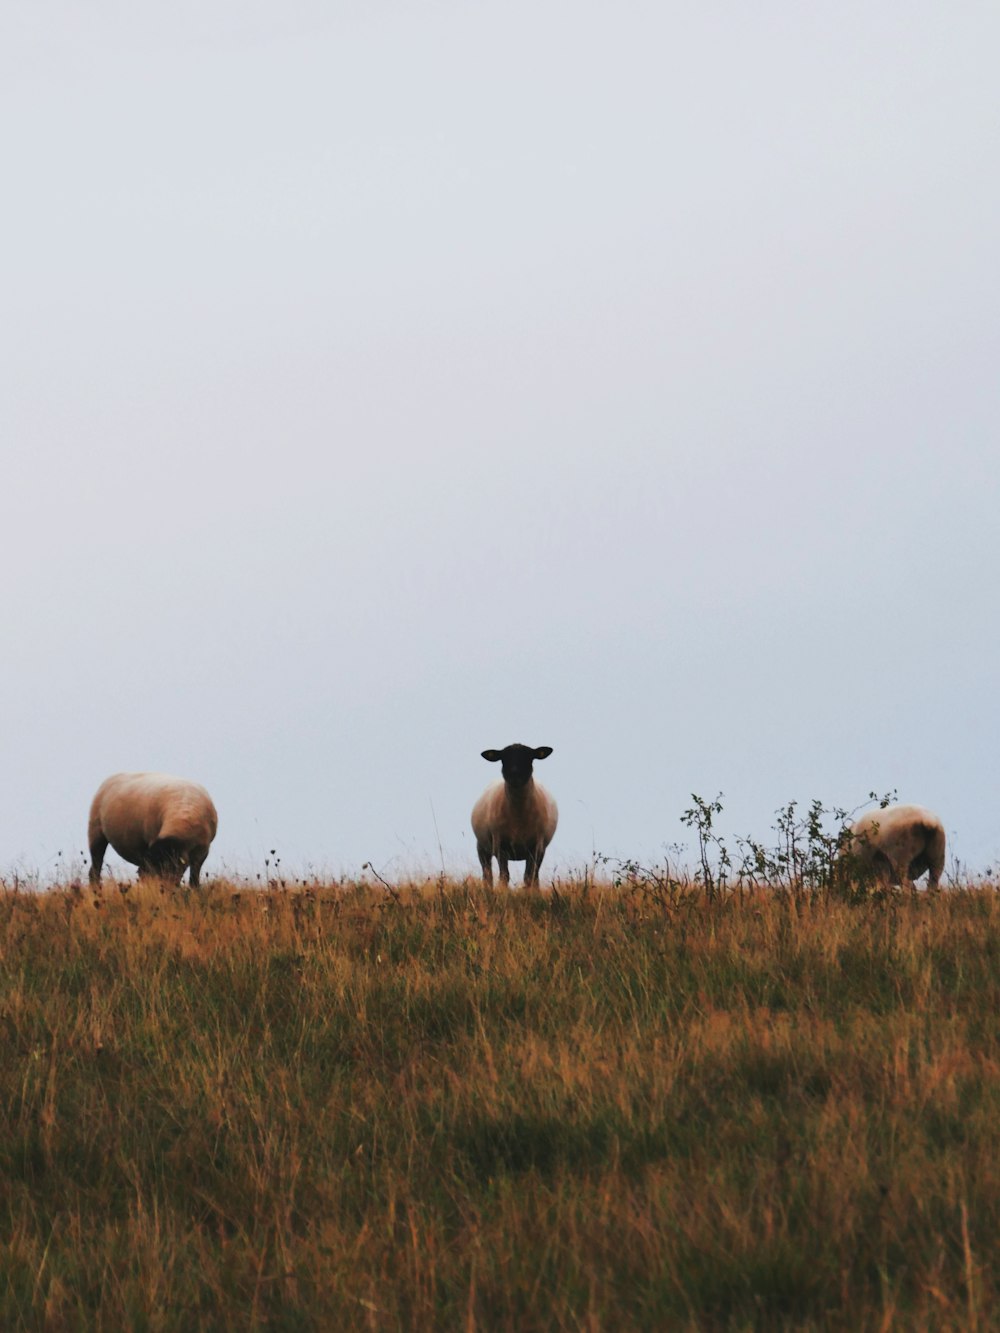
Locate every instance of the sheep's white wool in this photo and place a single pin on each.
(159, 823)
(898, 844)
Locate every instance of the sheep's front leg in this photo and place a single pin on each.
(883, 872)
(504, 870)
(532, 865)
(198, 856)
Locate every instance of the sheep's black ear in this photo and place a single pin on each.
(543, 752)
(493, 755)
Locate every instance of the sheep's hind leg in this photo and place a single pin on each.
(504, 870)
(486, 863)
(934, 858)
(98, 846)
(901, 876)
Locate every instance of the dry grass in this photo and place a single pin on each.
(333, 1108)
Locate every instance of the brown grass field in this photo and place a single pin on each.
(339, 1106)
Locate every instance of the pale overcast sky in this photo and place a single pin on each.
(386, 382)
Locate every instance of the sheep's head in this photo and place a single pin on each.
(516, 761)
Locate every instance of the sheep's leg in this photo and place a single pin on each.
(504, 870)
(924, 862)
(198, 856)
(883, 872)
(486, 862)
(98, 846)
(934, 869)
(933, 860)
(532, 865)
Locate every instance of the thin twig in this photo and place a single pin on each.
(384, 882)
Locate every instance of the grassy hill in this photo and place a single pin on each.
(339, 1106)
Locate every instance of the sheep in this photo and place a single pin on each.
(514, 819)
(896, 845)
(161, 824)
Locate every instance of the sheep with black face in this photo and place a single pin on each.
(514, 819)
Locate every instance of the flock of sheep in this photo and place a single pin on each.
(165, 825)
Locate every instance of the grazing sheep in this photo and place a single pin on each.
(158, 823)
(897, 844)
(514, 820)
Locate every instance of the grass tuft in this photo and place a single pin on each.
(333, 1106)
